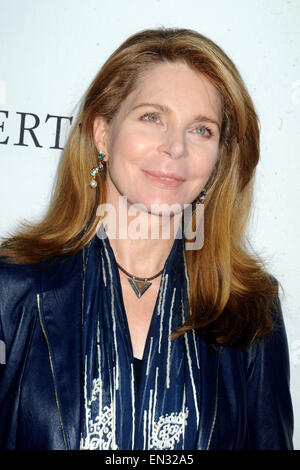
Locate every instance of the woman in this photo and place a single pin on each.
(120, 341)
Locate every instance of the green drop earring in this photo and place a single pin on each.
(94, 172)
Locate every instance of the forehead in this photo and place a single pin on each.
(175, 85)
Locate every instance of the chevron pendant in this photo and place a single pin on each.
(139, 287)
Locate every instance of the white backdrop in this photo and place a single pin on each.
(50, 52)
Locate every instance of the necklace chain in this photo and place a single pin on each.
(144, 279)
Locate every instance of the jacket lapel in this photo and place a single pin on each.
(60, 311)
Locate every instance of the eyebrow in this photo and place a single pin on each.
(166, 109)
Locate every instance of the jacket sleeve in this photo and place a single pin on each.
(270, 414)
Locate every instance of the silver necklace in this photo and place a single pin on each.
(139, 284)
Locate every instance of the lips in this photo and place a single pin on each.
(164, 179)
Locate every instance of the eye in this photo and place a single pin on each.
(204, 131)
(150, 117)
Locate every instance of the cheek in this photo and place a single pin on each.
(128, 146)
(204, 165)
(213, 161)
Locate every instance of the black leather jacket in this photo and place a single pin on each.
(245, 398)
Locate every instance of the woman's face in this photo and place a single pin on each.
(163, 143)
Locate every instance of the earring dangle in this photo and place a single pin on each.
(94, 172)
(202, 196)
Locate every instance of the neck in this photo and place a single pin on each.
(141, 241)
(142, 258)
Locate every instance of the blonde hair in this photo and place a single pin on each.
(230, 293)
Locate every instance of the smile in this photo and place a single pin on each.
(164, 180)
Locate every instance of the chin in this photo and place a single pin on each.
(160, 208)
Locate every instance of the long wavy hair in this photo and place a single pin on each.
(230, 293)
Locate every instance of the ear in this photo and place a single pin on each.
(100, 131)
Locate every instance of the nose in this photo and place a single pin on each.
(173, 143)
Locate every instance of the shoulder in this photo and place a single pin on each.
(42, 276)
(17, 284)
(16, 280)
(272, 348)
(47, 274)
(20, 284)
